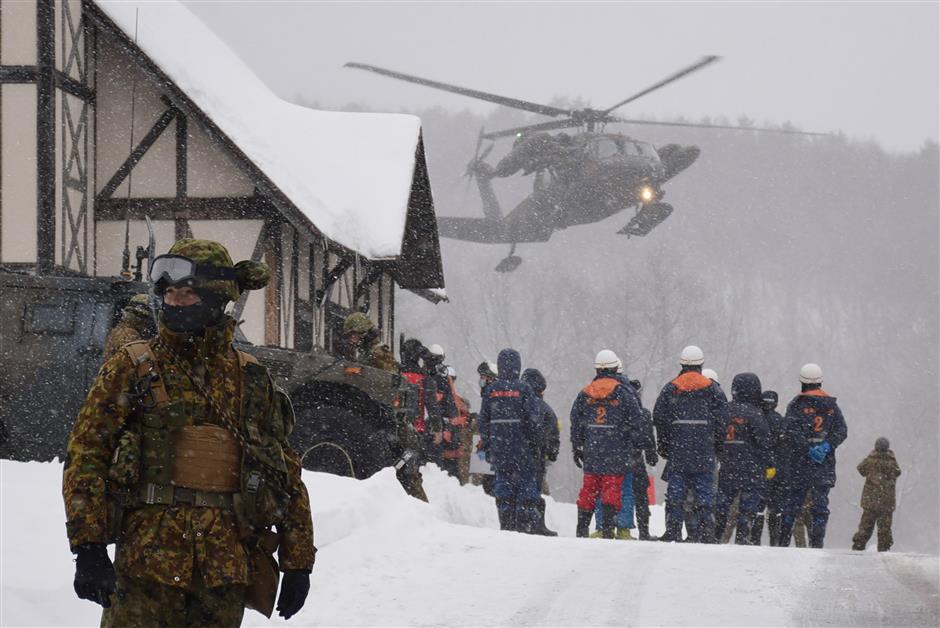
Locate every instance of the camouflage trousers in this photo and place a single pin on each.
(867, 526)
(140, 602)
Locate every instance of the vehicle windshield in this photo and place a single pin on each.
(605, 148)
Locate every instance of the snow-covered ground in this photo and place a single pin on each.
(386, 559)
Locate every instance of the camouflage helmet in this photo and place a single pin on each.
(357, 323)
(250, 275)
(138, 306)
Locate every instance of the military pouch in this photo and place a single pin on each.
(264, 494)
(123, 476)
(263, 574)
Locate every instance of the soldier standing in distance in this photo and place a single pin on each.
(362, 343)
(880, 470)
(180, 456)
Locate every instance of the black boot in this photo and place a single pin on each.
(506, 509)
(706, 528)
(584, 523)
(540, 527)
(783, 536)
(528, 517)
(742, 535)
(608, 513)
(721, 521)
(773, 527)
(643, 528)
(757, 530)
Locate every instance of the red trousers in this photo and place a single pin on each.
(608, 486)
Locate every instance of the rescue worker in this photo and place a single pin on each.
(746, 457)
(436, 372)
(511, 432)
(606, 422)
(362, 343)
(551, 442)
(690, 415)
(456, 432)
(712, 375)
(815, 429)
(487, 375)
(772, 493)
(136, 324)
(641, 479)
(427, 421)
(880, 470)
(170, 459)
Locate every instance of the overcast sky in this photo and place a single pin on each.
(871, 70)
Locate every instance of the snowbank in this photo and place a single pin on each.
(386, 559)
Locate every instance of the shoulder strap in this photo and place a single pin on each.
(141, 355)
(245, 358)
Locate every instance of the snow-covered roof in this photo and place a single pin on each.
(350, 174)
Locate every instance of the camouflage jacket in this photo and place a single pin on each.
(881, 472)
(169, 544)
(381, 357)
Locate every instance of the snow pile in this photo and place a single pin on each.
(349, 173)
(387, 559)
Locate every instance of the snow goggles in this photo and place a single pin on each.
(175, 270)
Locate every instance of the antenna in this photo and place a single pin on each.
(126, 256)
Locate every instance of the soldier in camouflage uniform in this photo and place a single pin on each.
(180, 456)
(363, 344)
(136, 324)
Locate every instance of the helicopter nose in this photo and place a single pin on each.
(679, 158)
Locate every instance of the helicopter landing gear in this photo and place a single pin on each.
(646, 218)
(510, 262)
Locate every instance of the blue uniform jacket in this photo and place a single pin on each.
(747, 450)
(510, 418)
(607, 425)
(690, 416)
(813, 417)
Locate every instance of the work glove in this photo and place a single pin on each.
(770, 473)
(94, 573)
(651, 458)
(578, 458)
(294, 588)
(819, 452)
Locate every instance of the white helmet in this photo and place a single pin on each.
(607, 359)
(692, 356)
(437, 350)
(710, 374)
(811, 374)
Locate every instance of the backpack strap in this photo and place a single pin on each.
(245, 358)
(141, 355)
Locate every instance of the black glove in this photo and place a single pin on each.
(94, 574)
(579, 458)
(651, 457)
(294, 588)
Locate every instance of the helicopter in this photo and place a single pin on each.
(580, 178)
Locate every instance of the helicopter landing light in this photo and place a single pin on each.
(647, 194)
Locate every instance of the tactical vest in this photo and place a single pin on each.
(180, 457)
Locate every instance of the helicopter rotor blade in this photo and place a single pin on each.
(515, 103)
(542, 126)
(698, 65)
(712, 126)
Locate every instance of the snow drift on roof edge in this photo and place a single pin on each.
(350, 174)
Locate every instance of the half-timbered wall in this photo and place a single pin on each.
(90, 143)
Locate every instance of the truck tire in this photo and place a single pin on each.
(335, 440)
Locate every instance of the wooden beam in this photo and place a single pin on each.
(45, 135)
(217, 208)
(138, 153)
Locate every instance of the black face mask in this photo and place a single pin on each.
(196, 317)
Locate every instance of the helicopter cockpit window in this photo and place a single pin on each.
(645, 149)
(606, 148)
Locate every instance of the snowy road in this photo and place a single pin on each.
(388, 560)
